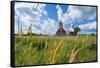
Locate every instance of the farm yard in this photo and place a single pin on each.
(38, 50)
(53, 33)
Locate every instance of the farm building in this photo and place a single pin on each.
(62, 32)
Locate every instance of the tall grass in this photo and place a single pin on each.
(36, 50)
(55, 52)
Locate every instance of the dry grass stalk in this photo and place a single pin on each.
(34, 50)
(30, 50)
(73, 54)
(54, 53)
(73, 51)
(52, 50)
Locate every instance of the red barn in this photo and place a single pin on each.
(61, 31)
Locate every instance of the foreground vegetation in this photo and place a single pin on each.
(36, 50)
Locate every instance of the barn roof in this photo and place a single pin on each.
(61, 31)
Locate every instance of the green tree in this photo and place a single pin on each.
(76, 29)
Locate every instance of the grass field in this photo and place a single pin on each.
(36, 50)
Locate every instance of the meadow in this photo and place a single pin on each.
(37, 50)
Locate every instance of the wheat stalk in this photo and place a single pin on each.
(73, 55)
(55, 51)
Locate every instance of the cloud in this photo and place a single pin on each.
(88, 26)
(59, 12)
(30, 8)
(49, 27)
(41, 7)
(73, 12)
(35, 14)
(66, 19)
(82, 16)
(83, 13)
(29, 14)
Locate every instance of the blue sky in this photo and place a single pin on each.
(45, 17)
(52, 11)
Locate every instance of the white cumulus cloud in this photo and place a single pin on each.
(31, 13)
(88, 26)
(59, 12)
(79, 13)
